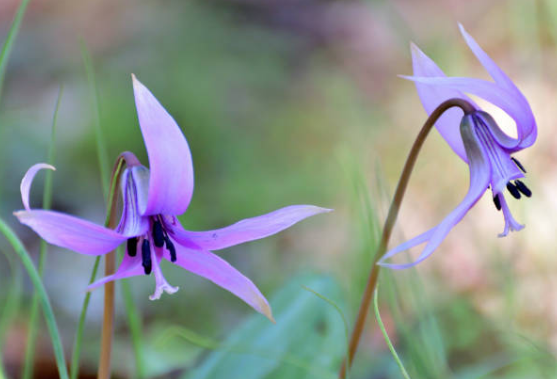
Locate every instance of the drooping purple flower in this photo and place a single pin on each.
(479, 142)
(152, 198)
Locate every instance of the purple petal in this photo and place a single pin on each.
(170, 163)
(526, 124)
(71, 232)
(27, 180)
(132, 223)
(249, 229)
(497, 95)
(480, 173)
(432, 97)
(130, 266)
(220, 272)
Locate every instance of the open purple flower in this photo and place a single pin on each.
(152, 198)
(480, 142)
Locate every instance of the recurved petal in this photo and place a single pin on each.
(435, 236)
(480, 174)
(170, 163)
(71, 232)
(499, 96)
(494, 71)
(27, 180)
(249, 229)
(433, 96)
(416, 241)
(130, 266)
(210, 266)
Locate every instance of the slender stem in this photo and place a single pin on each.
(390, 222)
(47, 200)
(44, 300)
(112, 197)
(109, 268)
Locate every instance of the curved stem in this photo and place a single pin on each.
(390, 222)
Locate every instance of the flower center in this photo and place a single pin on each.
(158, 236)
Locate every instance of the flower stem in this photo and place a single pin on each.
(390, 222)
(109, 268)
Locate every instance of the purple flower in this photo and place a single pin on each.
(480, 142)
(152, 198)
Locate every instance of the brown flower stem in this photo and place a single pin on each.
(390, 222)
(109, 268)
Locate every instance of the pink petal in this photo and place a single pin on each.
(71, 232)
(170, 163)
(27, 180)
(130, 266)
(249, 229)
(433, 96)
(132, 223)
(217, 270)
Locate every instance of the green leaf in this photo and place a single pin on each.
(306, 342)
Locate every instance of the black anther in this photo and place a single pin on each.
(171, 249)
(132, 246)
(520, 166)
(497, 202)
(522, 188)
(158, 235)
(513, 190)
(146, 257)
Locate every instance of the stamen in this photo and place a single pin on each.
(171, 249)
(146, 257)
(519, 165)
(513, 190)
(132, 246)
(158, 234)
(497, 202)
(522, 188)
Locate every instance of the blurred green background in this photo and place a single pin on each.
(290, 102)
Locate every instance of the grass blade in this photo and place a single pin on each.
(10, 39)
(44, 300)
(47, 200)
(386, 336)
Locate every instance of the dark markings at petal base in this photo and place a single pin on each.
(520, 166)
(513, 190)
(158, 235)
(497, 202)
(522, 188)
(171, 249)
(132, 246)
(146, 257)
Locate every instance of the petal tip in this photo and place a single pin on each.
(265, 309)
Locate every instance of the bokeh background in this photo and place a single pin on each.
(288, 102)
